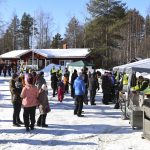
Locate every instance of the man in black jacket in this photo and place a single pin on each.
(93, 86)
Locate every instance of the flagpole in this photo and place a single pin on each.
(33, 43)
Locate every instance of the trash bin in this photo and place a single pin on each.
(146, 119)
(136, 117)
(136, 113)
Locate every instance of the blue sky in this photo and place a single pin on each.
(61, 10)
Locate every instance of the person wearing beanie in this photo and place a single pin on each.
(16, 100)
(40, 80)
(79, 88)
(29, 102)
(43, 106)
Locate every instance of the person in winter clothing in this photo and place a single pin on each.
(26, 76)
(4, 70)
(40, 80)
(60, 90)
(43, 106)
(59, 73)
(9, 69)
(54, 81)
(113, 81)
(52, 71)
(106, 88)
(1, 68)
(93, 86)
(142, 84)
(15, 89)
(29, 102)
(34, 74)
(79, 88)
(73, 77)
(21, 76)
(86, 82)
(66, 80)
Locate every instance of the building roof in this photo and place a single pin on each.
(50, 53)
(14, 54)
(138, 66)
(63, 53)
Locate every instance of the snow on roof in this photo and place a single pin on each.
(50, 53)
(63, 53)
(14, 54)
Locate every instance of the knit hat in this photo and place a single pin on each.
(41, 73)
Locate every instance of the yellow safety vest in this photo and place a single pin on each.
(53, 70)
(138, 86)
(60, 71)
(147, 90)
(117, 76)
(135, 88)
(125, 79)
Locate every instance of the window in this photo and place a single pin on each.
(48, 62)
(64, 62)
(61, 62)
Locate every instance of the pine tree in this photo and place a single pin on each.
(107, 17)
(74, 36)
(26, 30)
(11, 36)
(57, 41)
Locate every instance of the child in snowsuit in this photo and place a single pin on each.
(43, 107)
(61, 90)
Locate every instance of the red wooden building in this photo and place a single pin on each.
(43, 57)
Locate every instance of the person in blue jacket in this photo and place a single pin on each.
(79, 88)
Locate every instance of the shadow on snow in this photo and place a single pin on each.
(61, 130)
(46, 142)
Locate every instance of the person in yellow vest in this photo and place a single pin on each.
(52, 71)
(146, 92)
(142, 84)
(125, 82)
(59, 73)
(117, 75)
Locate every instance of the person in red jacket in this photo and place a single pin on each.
(61, 90)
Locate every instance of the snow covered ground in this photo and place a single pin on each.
(101, 129)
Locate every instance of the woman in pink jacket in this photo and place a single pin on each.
(29, 102)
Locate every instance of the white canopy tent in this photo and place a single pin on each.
(139, 66)
(142, 67)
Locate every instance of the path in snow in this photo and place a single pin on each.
(100, 129)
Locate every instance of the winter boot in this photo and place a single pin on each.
(39, 121)
(43, 119)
